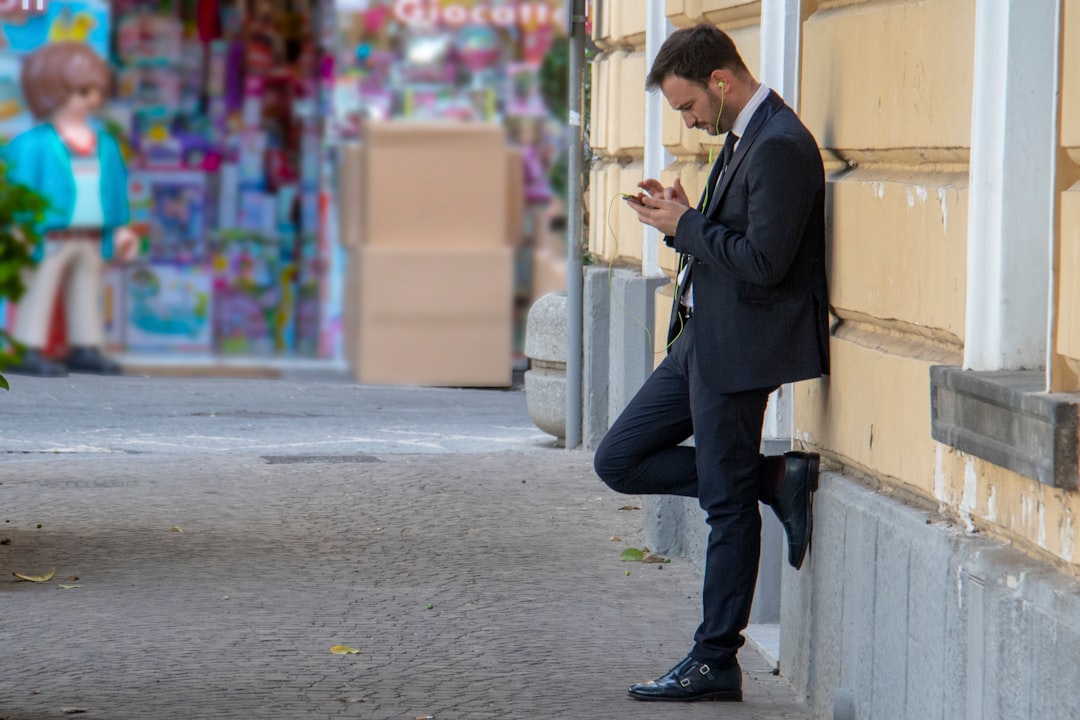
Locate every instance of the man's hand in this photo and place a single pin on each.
(661, 207)
(126, 243)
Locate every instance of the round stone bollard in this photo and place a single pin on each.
(545, 347)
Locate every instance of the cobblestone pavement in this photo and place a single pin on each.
(213, 585)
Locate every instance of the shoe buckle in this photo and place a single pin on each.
(704, 669)
(685, 682)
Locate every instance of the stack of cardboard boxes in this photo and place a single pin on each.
(427, 215)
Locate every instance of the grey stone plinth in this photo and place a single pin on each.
(545, 395)
(1005, 417)
(545, 347)
(545, 329)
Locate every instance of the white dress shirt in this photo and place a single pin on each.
(739, 128)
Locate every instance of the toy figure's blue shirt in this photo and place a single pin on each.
(39, 159)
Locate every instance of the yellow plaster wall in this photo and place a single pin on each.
(873, 411)
(886, 89)
(614, 231)
(1070, 75)
(1068, 319)
(725, 13)
(617, 117)
(898, 248)
(886, 75)
(618, 123)
(621, 24)
(1068, 309)
(886, 86)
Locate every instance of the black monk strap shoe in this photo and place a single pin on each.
(794, 502)
(34, 363)
(693, 680)
(90, 360)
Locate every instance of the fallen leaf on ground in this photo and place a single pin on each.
(343, 650)
(73, 710)
(630, 507)
(615, 538)
(36, 578)
(5, 541)
(73, 578)
(351, 700)
(632, 555)
(64, 586)
(653, 558)
(176, 528)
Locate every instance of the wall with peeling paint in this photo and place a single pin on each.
(886, 89)
(886, 86)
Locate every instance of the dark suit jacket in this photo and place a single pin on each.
(758, 253)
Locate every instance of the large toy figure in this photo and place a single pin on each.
(77, 166)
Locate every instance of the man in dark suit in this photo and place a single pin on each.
(750, 313)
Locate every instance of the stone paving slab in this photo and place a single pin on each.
(474, 586)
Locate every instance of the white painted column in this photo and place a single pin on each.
(781, 34)
(780, 46)
(657, 157)
(1010, 196)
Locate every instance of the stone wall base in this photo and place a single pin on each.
(897, 614)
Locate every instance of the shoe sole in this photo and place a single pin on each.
(719, 696)
(811, 487)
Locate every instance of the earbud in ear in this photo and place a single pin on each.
(720, 85)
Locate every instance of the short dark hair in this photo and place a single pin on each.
(693, 53)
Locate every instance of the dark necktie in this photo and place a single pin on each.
(729, 150)
(725, 158)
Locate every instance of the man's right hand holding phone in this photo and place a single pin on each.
(665, 204)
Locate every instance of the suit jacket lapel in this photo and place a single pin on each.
(767, 109)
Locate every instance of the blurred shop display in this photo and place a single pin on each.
(479, 61)
(442, 59)
(220, 106)
(237, 119)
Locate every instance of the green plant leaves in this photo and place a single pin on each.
(21, 209)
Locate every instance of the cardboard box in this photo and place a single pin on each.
(430, 316)
(549, 272)
(434, 185)
(437, 352)
(515, 198)
(351, 194)
(449, 283)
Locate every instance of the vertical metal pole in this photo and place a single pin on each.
(575, 214)
(657, 157)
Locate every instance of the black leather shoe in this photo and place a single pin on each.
(34, 363)
(693, 680)
(90, 360)
(793, 503)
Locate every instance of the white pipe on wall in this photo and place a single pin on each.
(1011, 185)
(781, 34)
(780, 47)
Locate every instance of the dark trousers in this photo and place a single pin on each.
(641, 455)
